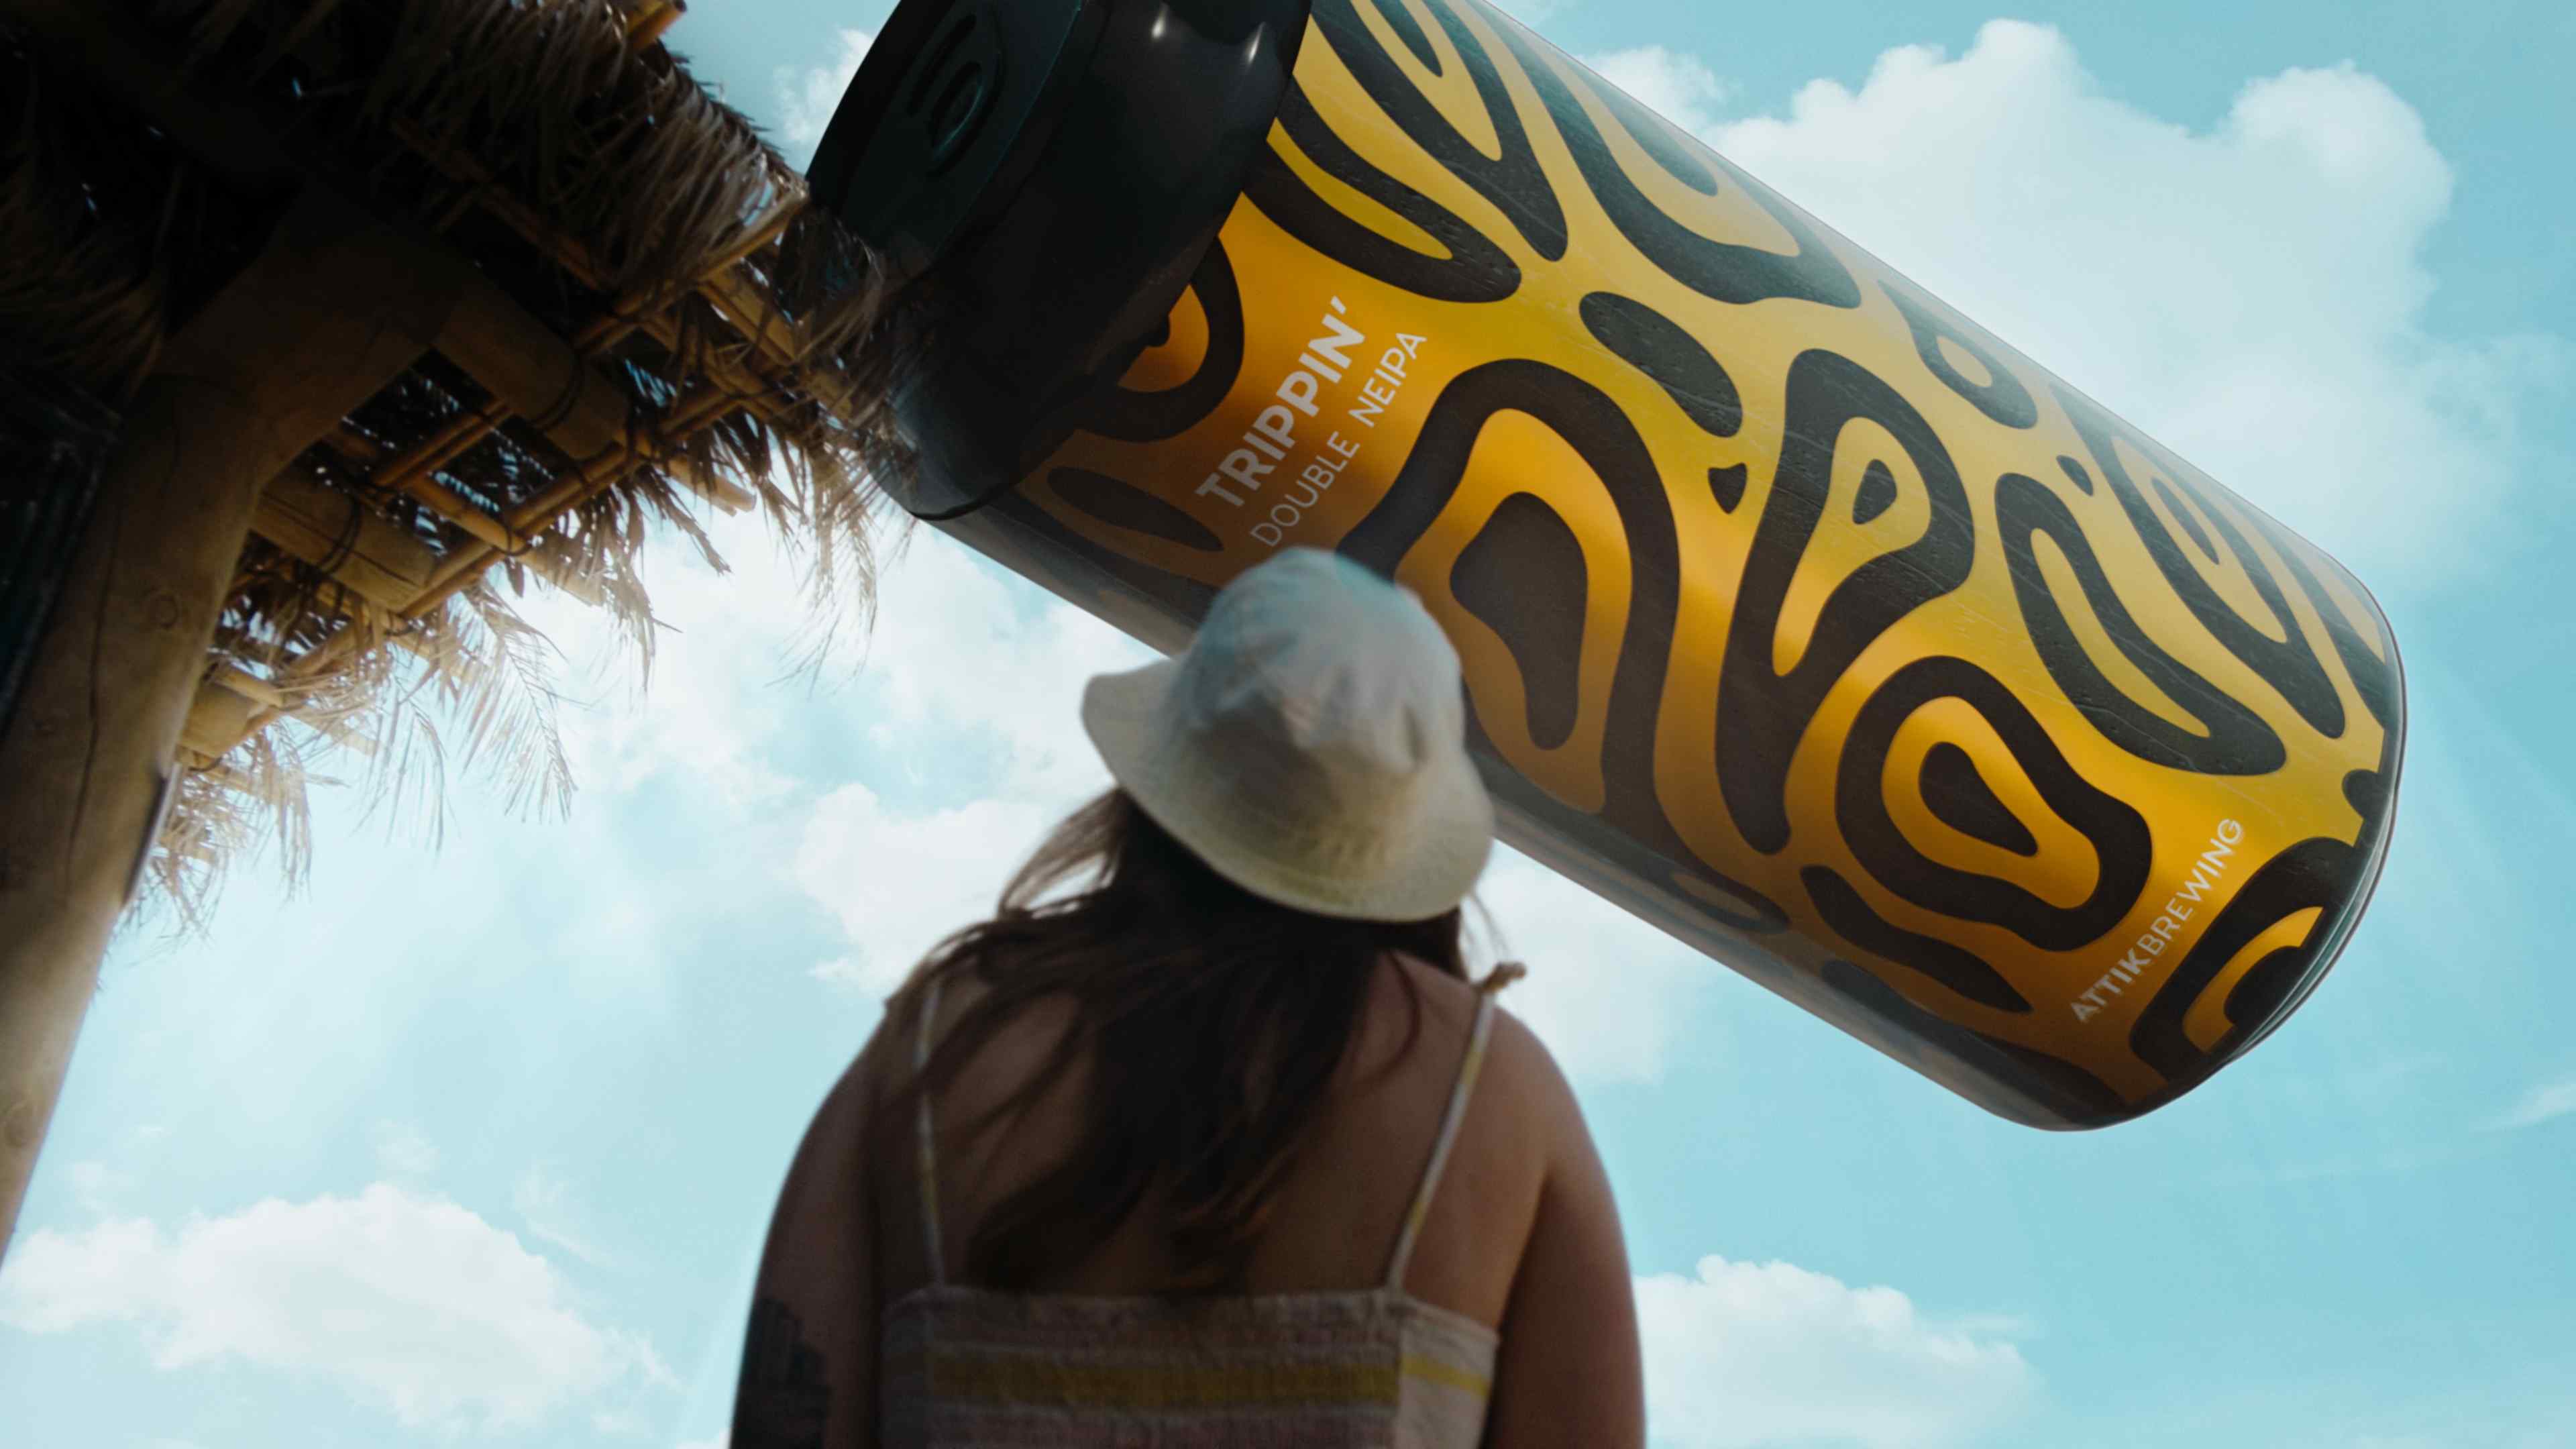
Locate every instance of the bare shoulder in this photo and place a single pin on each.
(1522, 1071)
(1514, 1042)
(1515, 1059)
(1570, 1367)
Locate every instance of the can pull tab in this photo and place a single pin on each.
(950, 93)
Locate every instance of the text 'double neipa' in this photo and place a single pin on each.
(1801, 616)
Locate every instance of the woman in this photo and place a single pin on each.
(1206, 1138)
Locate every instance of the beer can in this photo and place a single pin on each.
(1801, 616)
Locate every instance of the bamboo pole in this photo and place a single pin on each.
(313, 327)
(778, 339)
(538, 375)
(218, 715)
(568, 491)
(365, 553)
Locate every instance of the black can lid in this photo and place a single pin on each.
(946, 93)
(1040, 178)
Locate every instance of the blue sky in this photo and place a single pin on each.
(478, 1143)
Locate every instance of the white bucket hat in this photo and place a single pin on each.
(1309, 745)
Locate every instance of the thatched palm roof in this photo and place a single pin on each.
(645, 323)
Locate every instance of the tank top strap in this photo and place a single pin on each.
(1468, 1066)
(929, 1156)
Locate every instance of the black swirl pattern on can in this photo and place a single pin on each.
(2280, 653)
(1762, 714)
(2118, 834)
(1952, 965)
(1931, 324)
(2030, 1086)
(1727, 271)
(2233, 740)
(2058, 655)
(1145, 417)
(1511, 179)
(1657, 346)
(1121, 504)
(1475, 270)
(1603, 436)
(1524, 576)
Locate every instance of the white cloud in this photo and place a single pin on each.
(97, 1186)
(720, 1441)
(2250, 294)
(807, 98)
(967, 670)
(403, 1152)
(411, 1304)
(900, 882)
(970, 669)
(720, 688)
(2544, 1103)
(1679, 87)
(1751, 1354)
(969, 657)
(545, 1204)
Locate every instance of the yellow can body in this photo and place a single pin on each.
(1799, 614)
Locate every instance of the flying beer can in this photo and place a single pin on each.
(1801, 616)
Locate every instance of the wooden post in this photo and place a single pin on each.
(317, 324)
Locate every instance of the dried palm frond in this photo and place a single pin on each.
(609, 197)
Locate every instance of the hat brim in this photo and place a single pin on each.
(1449, 840)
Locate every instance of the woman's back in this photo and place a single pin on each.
(1216, 1039)
(1514, 1200)
(1333, 1221)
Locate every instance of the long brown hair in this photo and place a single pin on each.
(1213, 1021)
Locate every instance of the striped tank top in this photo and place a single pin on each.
(1374, 1368)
